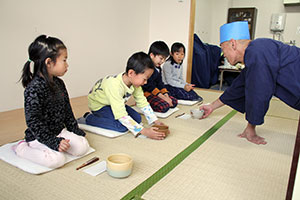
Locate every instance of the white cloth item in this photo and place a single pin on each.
(158, 114)
(187, 102)
(101, 131)
(9, 156)
(185, 116)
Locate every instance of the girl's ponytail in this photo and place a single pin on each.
(26, 74)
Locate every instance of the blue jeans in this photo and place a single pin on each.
(104, 118)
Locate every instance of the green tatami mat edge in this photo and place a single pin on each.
(137, 192)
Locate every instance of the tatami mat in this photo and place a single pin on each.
(149, 155)
(228, 167)
(220, 154)
(281, 110)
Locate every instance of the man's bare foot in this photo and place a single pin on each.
(250, 134)
(252, 137)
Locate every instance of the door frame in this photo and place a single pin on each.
(191, 42)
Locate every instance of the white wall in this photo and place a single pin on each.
(265, 11)
(218, 16)
(169, 21)
(208, 14)
(100, 36)
(203, 18)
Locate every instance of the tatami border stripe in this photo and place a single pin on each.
(137, 192)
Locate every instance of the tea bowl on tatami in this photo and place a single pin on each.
(119, 165)
(196, 113)
(162, 128)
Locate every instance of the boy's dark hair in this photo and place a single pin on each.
(139, 62)
(159, 48)
(176, 48)
(40, 49)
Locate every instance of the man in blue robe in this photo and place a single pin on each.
(271, 69)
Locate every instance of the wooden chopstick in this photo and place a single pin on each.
(179, 115)
(88, 162)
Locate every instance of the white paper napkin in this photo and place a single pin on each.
(185, 116)
(96, 169)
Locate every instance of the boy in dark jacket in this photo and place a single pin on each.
(155, 90)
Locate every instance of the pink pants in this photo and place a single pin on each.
(43, 155)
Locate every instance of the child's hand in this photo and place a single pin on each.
(168, 99)
(153, 134)
(64, 145)
(188, 87)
